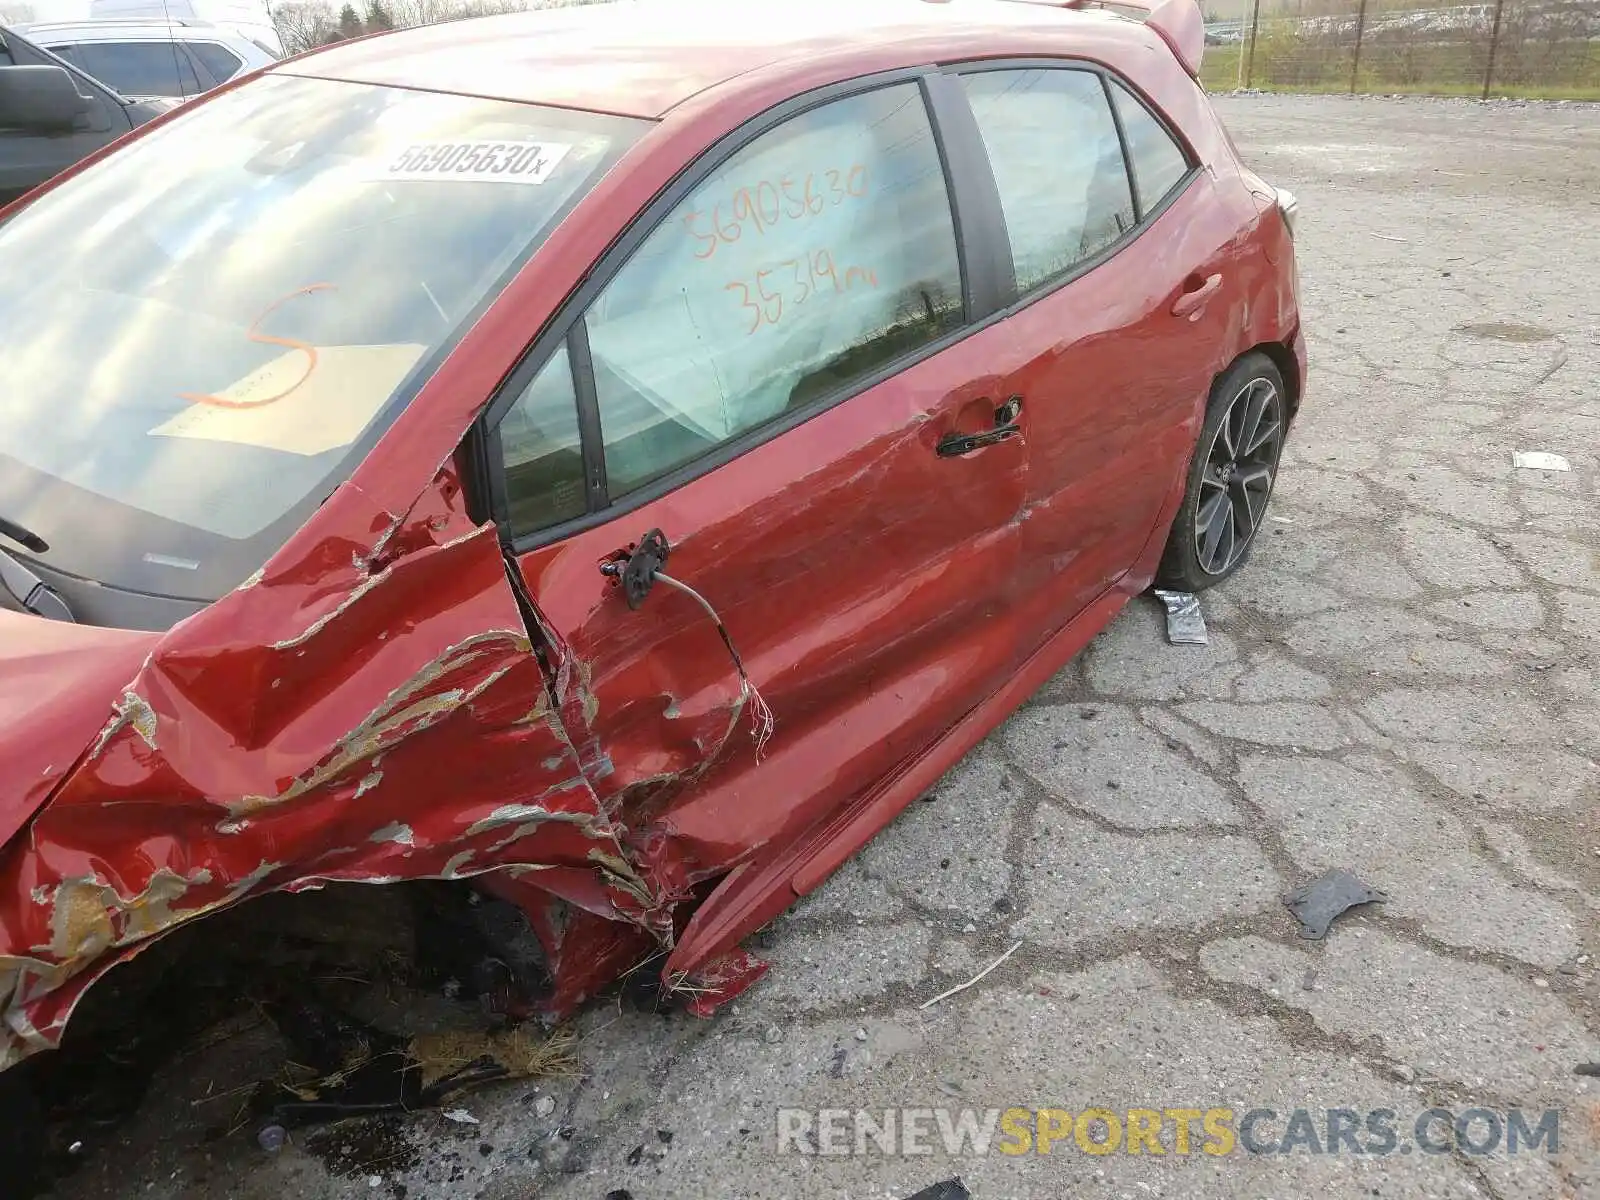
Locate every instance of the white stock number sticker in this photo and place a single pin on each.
(477, 162)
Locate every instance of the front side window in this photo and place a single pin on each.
(1058, 163)
(810, 260)
(201, 332)
(140, 68)
(1159, 163)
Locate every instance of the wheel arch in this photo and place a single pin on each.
(1283, 357)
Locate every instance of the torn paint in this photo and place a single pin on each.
(398, 833)
(129, 711)
(262, 721)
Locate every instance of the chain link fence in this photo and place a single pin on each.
(1536, 49)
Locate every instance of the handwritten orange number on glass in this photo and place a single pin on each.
(708, 241)
(771, 302)
(265, 339)
(746, 302)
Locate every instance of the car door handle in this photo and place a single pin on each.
(1196, 292)
(953, 445)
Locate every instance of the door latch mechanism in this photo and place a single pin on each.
(638, 571)
(1005, 426)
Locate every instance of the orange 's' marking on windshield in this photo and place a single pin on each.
(266, 339)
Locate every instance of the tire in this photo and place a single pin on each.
(1231, 477)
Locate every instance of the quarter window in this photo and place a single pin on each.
(1159, 163)
(223, 63)
(806, 263)
(1058, 163)
(541, 450)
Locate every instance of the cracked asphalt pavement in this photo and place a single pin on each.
(1401, 683)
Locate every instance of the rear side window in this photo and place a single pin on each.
(1058, 163)
(223, 63)
(1159, 163)
(140, 68)
(809, 261)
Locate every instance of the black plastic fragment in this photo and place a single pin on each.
(950, 1189)
(1316, 904)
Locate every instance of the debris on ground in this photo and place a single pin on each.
(271, 1138)
(1591, 1069)
(521, 1053)
(348, 1002)
(1316, 904)
(961, 987)
(1186, 624)
(950, 1189)
(1539, 460)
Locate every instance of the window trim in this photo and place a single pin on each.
(1143, 219)
(971, 213)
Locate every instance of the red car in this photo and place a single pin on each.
(618, 455)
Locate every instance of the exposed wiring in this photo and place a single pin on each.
(760, 714)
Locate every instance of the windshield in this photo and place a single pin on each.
(202, 334)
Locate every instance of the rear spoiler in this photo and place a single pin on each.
(1179, 23)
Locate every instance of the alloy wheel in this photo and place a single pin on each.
(1240, 467)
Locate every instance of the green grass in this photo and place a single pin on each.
(1286, 64)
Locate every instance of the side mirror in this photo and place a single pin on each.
(40, 99)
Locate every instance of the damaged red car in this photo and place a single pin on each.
(619, 456)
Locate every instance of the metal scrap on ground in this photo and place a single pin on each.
(1316, 904)
(1186, 624)
(1540, 460)
(961, 987)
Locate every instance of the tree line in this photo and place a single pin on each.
(306, 24)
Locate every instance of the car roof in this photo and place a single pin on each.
(641, 58)
(132, 28)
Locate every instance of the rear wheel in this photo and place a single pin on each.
(1230, 479)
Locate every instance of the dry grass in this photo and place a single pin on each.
(522, 1053)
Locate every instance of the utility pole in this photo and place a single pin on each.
(1355, 63)
(1255, 20)
(1494, 44)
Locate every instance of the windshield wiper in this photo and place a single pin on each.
(32, 592)
(23, 536)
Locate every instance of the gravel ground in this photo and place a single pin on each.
(1401, 683)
